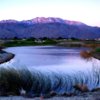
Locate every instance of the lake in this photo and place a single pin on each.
(54, 58)
(54, 68)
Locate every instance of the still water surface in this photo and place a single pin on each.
(52, 58)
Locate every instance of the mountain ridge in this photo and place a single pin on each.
(50, 27)
(45, 20)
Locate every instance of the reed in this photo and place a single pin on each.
(37, 83)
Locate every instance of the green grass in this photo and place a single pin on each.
(97, 50)
(47, 41)
(27, 43)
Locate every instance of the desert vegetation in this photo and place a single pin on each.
(36, 83)
(94, 51)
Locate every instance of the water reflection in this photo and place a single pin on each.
(52, 58)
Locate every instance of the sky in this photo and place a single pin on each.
(86, 11)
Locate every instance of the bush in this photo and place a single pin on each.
(97, 50)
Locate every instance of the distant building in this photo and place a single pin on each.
(39, 41)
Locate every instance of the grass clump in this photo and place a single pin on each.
(9, 81)
(36, 83)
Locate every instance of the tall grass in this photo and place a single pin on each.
(36, 83)
(9, 81)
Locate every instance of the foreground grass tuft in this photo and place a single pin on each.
(36, 83)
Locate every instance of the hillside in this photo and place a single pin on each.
(47, 27)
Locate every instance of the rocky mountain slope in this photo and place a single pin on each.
(47, 27)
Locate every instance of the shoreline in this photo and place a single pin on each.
(5, 56)
(83, 96)
(96, 55)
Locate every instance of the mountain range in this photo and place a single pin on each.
(50, 27)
